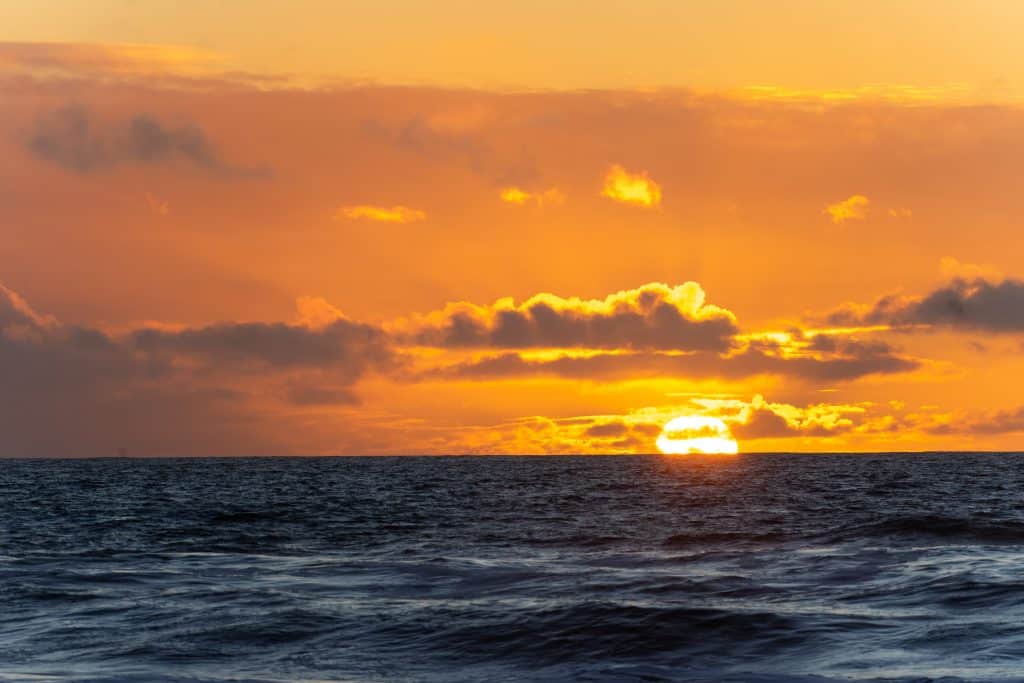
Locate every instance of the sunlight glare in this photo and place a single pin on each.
(696, 434)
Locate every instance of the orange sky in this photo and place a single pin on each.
(544, 228)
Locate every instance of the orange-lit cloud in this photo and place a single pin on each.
(654, 315)
(17, 317)
(513, 195)
(631, 188)
(381, 214)
(853, 208)
(760, 419)
(756, 425)
(316, 312)
(516, 195)
(759, 424)
(953, 269)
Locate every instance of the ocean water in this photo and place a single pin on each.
(749, 568)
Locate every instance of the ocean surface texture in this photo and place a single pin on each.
(749, 568)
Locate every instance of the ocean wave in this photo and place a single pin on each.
(966, 529)
(766, 569)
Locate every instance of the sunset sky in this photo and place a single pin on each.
(445, 226)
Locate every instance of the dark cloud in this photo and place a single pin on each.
(647, 429)
(316, 395)
(342, 343)
(73, 138)
(71, 390)
(616, 435)
(764, 423)
(700, 365)
(1001, 422)
(654, 316)
(975, 304)
(607, 429)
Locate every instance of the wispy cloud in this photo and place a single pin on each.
(516, 195)
(381, 214)
(121, 58)
(75, 139)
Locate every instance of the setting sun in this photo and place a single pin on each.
(696, 434)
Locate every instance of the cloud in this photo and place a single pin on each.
(655, 330)
(607, 429)
(257, 387)
(999, 422)
(316, 312)
(341, 344)
(750, 362)
(631, 188)
(513, 195)
(970, 305)
(760, 419)
(380, 214)
(316, 395)
(16, 316)
(467, 135)
(585, 434)
(850, 209)
(94, 58)
(235, 387)
(654, 316)
(516, 195)
(764, 424)
(71, 137)
(953, 269)
(637, 432)
(71, 390)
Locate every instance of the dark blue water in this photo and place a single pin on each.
(755, 568)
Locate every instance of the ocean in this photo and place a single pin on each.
(643, 568)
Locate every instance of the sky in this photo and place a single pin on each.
(410, 227)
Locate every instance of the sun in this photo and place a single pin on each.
(696, 434)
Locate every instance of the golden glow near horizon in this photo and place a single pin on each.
(696, 434)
